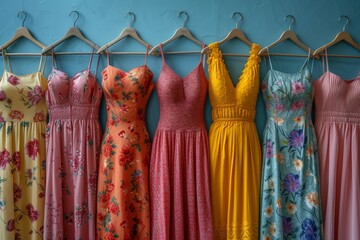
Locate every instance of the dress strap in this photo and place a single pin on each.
(147, 53)
(91, 57)
(202, 56)
(326, 60)
(6, 59)
(53, 60)
(97, 65)
(107, 54)
(306, 61)
(162, 53)
(267, 49)
(41, 65)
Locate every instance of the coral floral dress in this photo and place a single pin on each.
(123, 189)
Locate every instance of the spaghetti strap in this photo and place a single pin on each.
(97, 64)
(107, 55)
(7, 59)
(3, 56)
(54, 65)
(267, 49)
(91, 57)
(147, 53)
(306, 61)
(202, 56)
(40, 64)
(162, 53)
(326, 60)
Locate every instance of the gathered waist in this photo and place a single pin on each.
(84, 112)
(343, 117)
(233, 113)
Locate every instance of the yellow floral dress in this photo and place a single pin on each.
(235, 153)
(22, 155)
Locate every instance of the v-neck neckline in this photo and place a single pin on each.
(177, 75)
(246, 66)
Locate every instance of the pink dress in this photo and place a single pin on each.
(337, 125)
(73, 141)
(179, 167)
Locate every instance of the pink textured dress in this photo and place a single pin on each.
(73, 141)
(337, 125)
(179, 167)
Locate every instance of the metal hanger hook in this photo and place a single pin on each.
(292, 22)
(186, 17)
(77, 16)
(132, 19)
(23, 22)
(240, 18)
(347, 21)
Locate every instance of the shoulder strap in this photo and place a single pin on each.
(107, 55)
(91, 57)
(6, 59)
(326, 60)
(306, 61)
(97, 65)
(146, 54)
(41, 65)
(54, 65)
(267, 49)
(162, 53)
(202, 56)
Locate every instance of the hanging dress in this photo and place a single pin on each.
(290, 200)
(72, 151)
(22, 154)
(123, 209)
(235, 151)
(179, 167)
(337, 125)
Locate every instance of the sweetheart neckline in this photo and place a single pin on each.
(144, 65)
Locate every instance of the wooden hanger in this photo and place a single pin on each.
(129, 31)
(180, 32)
(341, 36)
(72, 32)
(234, 33)
(22, 32)
(287, 35)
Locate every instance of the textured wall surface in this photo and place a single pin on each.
(156, 20)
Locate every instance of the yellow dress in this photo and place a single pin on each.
(23, 114)
(235, 153)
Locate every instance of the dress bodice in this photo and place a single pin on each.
(231, 102)
(22, 97)
(126, 93)
(181, 99)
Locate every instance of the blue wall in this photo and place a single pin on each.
(156, 20)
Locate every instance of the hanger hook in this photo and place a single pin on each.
(186, 17)
(23, 22)
(292, 22)
(347, 21)
(132, 19)
(240, 18)
(77, 16)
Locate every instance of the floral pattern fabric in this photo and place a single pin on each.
(73, 140)
(123, 208)
(290, 201)
(22, 155)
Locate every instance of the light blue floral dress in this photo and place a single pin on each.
(290, 201)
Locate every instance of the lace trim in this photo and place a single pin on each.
(239, 232)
